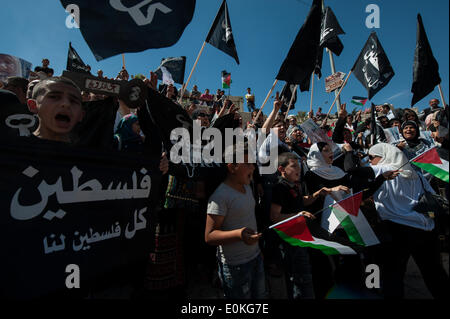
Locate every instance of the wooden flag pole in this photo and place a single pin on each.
(337, 96)
(123, 61)
(290, 103)
(442, 95)
(312, 93)
(183, 89)
(265, 101)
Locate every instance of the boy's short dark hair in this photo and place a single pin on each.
(40, 88)
(284, 158)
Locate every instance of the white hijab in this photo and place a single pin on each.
(393, 157)
(317, 165)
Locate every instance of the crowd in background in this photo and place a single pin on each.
(188, 234)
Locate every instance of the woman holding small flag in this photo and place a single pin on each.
(412, 233)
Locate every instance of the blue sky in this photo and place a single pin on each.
(263, 30)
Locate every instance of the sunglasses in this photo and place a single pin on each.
(371, 157)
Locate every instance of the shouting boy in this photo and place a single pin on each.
(231, 225)
(57, 102)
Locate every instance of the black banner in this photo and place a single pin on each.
(62, 206)
(176, 68)
(74, 61)
(116, 26)
(426, 69)
(303, 55)
(372, 68)
(330, 31)
(221, 35)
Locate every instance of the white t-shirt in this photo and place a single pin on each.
(239, 211)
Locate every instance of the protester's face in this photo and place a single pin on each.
(386, 109)
(292, 171)
(409, 132)
(350, 119)
(348, 137)
(204, 120)
(45, 63)
(373, 159)
(243, 171)
(396, 123)
(206, 91)
(292, 121)
(384, 122)
(434, 103)
(327, 155)
(410, 116)
(298, 135)
(59, 110)
(100, 73)
(280, 131)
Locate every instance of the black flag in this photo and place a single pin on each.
(74, 61)
(329, 33)
(286, 95)
(372, 68)
(221, 35)
(302, 57)
(176, 68)
(426, 69)
(115, 26)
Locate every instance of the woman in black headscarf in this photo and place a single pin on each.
(413, 144)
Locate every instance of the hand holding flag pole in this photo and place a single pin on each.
(290, 103)
(265, 101)
(319, 211)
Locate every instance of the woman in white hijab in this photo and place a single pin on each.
(322, 173)
(412, 233)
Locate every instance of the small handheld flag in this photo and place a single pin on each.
(296, 233)
(226, 80)
(360, 101)
(431, 162)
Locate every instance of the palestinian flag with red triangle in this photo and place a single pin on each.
(226, 80)
(431, 162)
(346, 213)
(296, 233)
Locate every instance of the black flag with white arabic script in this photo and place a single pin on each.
(74, 61)
(426, 69)
(301, 60)
(117, 26)
(221, 35)
(372, 68)
(175, 67)
(330, 31)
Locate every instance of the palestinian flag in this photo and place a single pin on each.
(359, 100)
(295, 232)
(226, 80)
(433, 164)
(347, 214)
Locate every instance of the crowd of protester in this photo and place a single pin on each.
(217, 228)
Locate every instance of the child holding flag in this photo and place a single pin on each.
(231, 225)
(288, 201)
